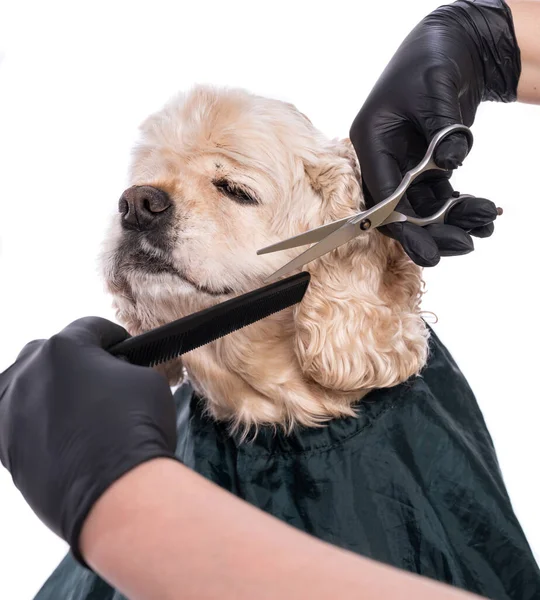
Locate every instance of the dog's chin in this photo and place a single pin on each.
(204, 289)
(179, 280)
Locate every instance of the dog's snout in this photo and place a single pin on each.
(143, 207)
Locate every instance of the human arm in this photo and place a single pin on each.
(163, 531)
(89, 441)
(526, 17)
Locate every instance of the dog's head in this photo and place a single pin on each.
(219, 174)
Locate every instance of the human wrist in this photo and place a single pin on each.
(489, 44)
(112, 513)
(92, 494)
(526, 18)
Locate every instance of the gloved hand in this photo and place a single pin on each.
(73, 419)
(458, 56)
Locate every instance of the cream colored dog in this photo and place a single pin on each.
(217, 175)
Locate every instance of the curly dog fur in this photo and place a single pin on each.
(359, 326)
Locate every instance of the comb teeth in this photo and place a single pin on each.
(174, 339)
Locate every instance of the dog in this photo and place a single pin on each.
(406, 476)
(218, 174)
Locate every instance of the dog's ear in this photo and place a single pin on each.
(358, 326)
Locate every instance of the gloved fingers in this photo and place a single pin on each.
(381, 174)
(94, 331)
(472, 213)
(441, 186)
(382, 178)
(426, 197)
(483, 232)
(450, 240)
(29, 349)
(452, 151)
(24, 355)
(416, 241)
(445, 110)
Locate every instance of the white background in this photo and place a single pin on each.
(78, 78)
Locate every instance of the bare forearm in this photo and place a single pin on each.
(526, 16)
(163, 531)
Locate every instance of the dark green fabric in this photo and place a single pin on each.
(412, 481)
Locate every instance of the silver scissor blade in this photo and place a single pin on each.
(344, 234)
(395, 217)
(308, 237)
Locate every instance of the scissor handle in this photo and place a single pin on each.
(428, 162)
(375, 216)
(441, 214)
(438, 217)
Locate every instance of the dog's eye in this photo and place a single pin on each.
(234, 191)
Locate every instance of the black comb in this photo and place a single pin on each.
(176, 338)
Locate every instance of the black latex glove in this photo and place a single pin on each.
(458, 56)
(73, 419)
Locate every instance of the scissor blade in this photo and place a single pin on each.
(309, 237)
(344, 234)
(395, 217)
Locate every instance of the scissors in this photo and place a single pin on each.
(337, 233)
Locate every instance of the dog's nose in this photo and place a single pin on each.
(143, 207)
